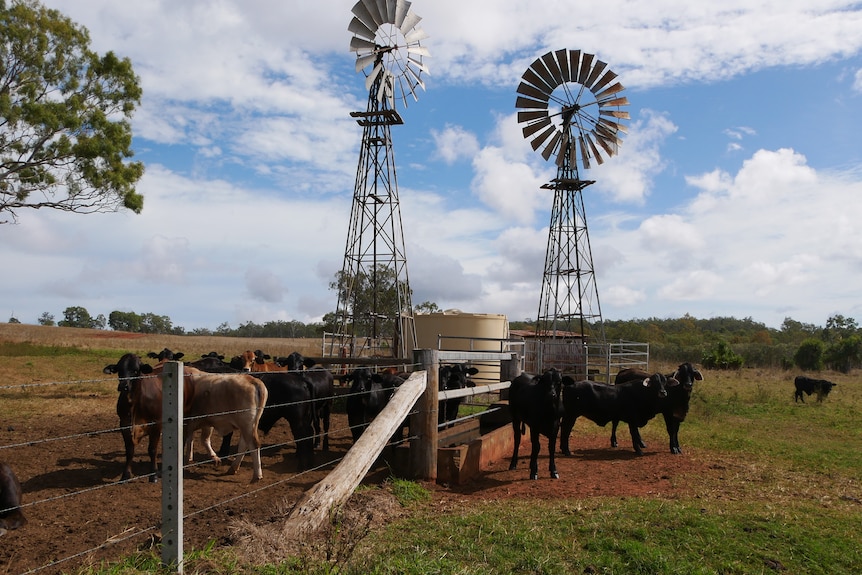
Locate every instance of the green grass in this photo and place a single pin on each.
(625, 536)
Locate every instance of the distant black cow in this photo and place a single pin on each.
(166, 355)
(537, 402)
(635, 402)
(808, 386)
(324, 389)
(452, 377)
(369, 394)
(10, 500)
(212, 363)
(674, 408)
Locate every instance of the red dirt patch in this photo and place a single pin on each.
(74, 503)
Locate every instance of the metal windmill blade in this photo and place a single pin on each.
(387, 41)
(588, 106)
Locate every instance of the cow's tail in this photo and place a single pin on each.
(261, 395)
(312, 393)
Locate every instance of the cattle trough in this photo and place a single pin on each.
(467, 449)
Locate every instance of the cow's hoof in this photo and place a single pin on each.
(534, 476)
(256, 479)
(555, 475)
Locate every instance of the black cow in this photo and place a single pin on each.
(139, 407)
(453, 377)
(635, 402)
(166, 355)
(289, 396)
(536, 401)
(324, 389)
(808, 386)
(674, 408)
(369, 394)
(10, 500)
(213, 363)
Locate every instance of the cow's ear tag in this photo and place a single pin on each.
(646, 382)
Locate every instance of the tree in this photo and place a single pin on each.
(46, 319)
(722, 357)
(65, 136)
(14, 319)
(844, 355)
(372, 310)
(426, 307)
(77, 316)
(809, 356)
(124, 321)
(839, 327)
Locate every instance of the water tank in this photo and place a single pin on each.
(459, 331)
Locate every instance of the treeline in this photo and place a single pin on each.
(720, 342)
(729, 343)
(151, 323)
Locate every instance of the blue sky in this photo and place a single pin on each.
(736, 192)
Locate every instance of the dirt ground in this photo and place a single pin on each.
(74, 504)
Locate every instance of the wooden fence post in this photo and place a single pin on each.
(423, 423)
(172, 465)
(313, 508)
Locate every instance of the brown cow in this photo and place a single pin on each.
(225, 402)
(10, 500)
(256, 362)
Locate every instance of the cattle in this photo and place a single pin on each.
(536, 402)
(256, 362)
(674, 408)
(369, 394)
(10, 500)
(324, 391)
(808, 386)
(225, 402)
(213, 363)
(290, 396)
(139, 407)
(166, 355)
(635, 402)
(452, 377)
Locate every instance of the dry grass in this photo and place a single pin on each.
(192, 345)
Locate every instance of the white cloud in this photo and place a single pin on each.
(628, 177)
(857, 81)
(454, 143)
(264, 285)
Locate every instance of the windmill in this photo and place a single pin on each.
(569, 104)
(374, 312)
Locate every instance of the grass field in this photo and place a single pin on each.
(782, 493)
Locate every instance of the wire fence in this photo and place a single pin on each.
(72, 435)
(95, 491)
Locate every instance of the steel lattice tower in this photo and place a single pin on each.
(375, 261)
(569, 105)
(569, 302)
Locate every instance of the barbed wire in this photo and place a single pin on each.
(133, 532)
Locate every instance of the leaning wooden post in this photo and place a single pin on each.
(423, 423)
(172, 467)
(314, 508)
